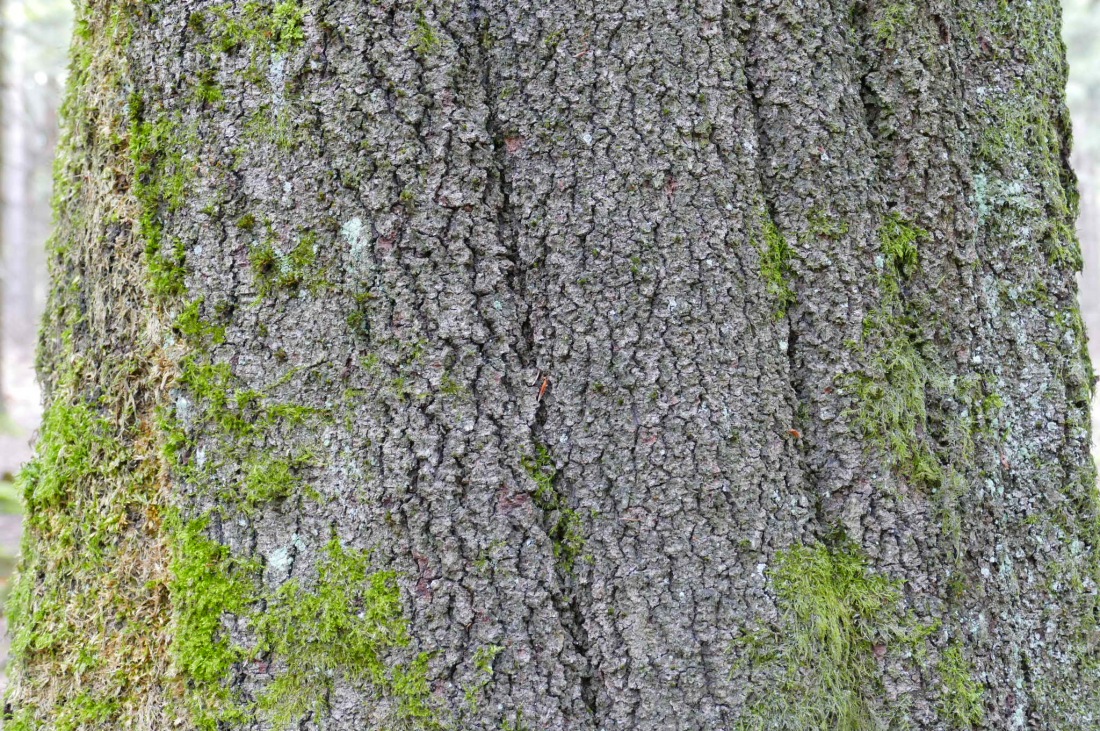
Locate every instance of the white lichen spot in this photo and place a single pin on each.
(276, 72)
(352, 232)
(279, 559)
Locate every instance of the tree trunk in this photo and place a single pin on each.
(532, 365)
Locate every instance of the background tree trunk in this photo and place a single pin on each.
(537, 365)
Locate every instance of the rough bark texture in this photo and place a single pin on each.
(532, 365)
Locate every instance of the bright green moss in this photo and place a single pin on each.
(900, 240)
(963, 697)
(74, 445)
(267, 480)
(287, 31)
(87, 709)
(820, 663)
(775, 267)
(207, 91)
(348, 624)
(191, 326)
(207, 584)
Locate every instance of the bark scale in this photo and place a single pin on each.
(548, 366)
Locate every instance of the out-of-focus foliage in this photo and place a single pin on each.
(43, 26)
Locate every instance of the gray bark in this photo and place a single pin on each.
(704, 365)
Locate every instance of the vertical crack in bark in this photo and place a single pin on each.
(766, 184)
(567, 602)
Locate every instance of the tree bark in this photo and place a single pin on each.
(529, 365)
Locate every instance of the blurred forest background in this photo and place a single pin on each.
(32, 76)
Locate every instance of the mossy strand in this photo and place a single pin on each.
(836, 615)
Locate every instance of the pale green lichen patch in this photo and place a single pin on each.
(836, 618)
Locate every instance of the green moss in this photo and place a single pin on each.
(516, 723)
(775, 267)
(207, 584)
(822, 224)
(74, 445)
(893, 412)
(275, 270)
(347, 625)
(424, 39)
(267, 28)
(87, 709)
(449, 386)
(162, 177)
(900, 240)
(819, 666)
(963, 697)
(891, 21)
(190, 325)
(272, 125)
(566, 527)
(287, 30)
(267, 479)
(893, 389)
(483, 662)
(88, 494)
(207, 91)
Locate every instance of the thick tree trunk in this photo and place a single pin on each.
(540, 365)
